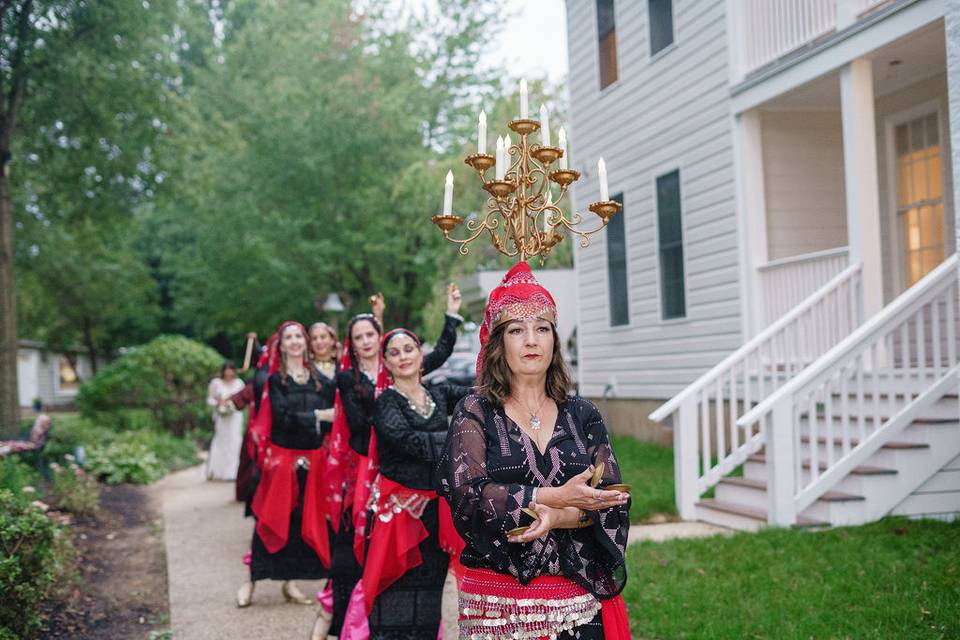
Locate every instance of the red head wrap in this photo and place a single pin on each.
(519, 297)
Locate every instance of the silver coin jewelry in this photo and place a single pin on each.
(424, 411)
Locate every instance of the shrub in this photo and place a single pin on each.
(19, 478)
(174, 453)
(70, 431)
(121, 462)
(74, 489)
(167, 376)
(28, 564)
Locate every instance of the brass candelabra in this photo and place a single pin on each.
(521, 217)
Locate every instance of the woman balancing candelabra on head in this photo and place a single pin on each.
(521, 447)
(349, 473)
(291, 540)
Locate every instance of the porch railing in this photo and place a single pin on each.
(770, 29)
(708, 443)
(785, 283)
(859, 394)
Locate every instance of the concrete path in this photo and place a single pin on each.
(206, 536)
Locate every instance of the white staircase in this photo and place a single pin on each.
(820, 422)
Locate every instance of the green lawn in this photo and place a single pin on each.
(648, 468)
(891, 579)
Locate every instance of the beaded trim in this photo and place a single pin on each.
(413, 503)
(501, 618)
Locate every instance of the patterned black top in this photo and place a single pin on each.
(294, 423)
(328, 392)
(488, 471)
(409, 444)
(357, 391)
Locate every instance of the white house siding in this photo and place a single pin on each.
(932, 91)
(669, 112)
(803, 148)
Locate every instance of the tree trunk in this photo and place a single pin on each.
(9, 402)
(89, 343)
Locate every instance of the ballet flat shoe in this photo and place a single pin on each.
(245, 595)
(292, 594)
(321, 627)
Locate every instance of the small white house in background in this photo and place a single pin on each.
(561, 283)
(779, 297)
(53, 377)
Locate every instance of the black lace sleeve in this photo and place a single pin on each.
(445, 343)
(453, 394)
(483, 510)
(358, 410)
(596, 556)
(392, 428)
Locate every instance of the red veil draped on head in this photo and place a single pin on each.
(278, 491)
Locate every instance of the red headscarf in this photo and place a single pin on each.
(518, 297)
(262, 425)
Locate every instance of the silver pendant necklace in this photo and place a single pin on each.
(424, 411)
(535, 422)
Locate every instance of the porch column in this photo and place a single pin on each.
(752, 216)
(951, 20)
(860, 177)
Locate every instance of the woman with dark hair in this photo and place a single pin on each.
(348, 470)
(411, 535)
(290, 540)
(533, 485)
(224, 458)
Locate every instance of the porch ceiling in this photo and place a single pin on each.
(913, 58)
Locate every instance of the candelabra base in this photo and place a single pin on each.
(564, 177)
(500, 188)
(480, 161)
(546, 155)
(447, 223)
(524, 126)
(605, 209)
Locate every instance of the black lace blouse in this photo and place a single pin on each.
(409, 444)
(357, 390)
(488, 471)
(294, 423)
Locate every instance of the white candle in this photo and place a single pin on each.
(448, 194)
(500, 160)
(547, 213)
(482, 133)
(544, 126)
(524, 109)
(563, 145)
(604, 189)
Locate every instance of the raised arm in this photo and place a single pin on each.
(445, 343)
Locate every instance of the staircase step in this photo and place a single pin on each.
(754, 513)
(862, 470)
(829, 496)
(855, 441)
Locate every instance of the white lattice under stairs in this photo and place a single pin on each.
(866, 427)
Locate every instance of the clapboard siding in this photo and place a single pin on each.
(662, 114)
(937, 496)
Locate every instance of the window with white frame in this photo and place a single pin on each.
(673, 298)
(607, 42)
(919, 195)
(617, 269)
(660, 17)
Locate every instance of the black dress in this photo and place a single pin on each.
(410, 446)
(488, 472)
(357, 392)
(294, 427)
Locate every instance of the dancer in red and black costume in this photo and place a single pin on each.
(291, 539)
(350, 441)
(521, 443)
(411, 533)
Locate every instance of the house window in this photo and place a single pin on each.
(69, 379)
(920, 195)
(617, 269)
(673, 302)
(660, 13)
(607, 31)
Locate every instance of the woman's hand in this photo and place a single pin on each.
(454, 299)
(377, 306)
(577, 492)
(547, 520)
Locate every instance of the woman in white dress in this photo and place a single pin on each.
(228, 425)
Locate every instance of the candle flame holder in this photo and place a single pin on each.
(520, 206)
